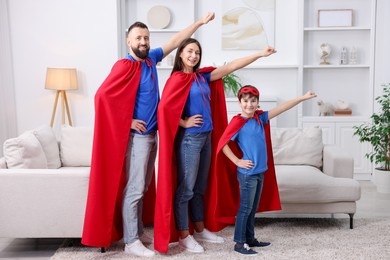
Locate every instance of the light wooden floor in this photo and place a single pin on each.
(371, 205)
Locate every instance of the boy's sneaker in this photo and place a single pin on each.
(256, 243)
(190, 244)
(207, 236)
(244, 249)
(138, 249)
(145, 239)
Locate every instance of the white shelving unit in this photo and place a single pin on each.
(137, 10)
(351, 83)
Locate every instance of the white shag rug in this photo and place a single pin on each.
(291, 238)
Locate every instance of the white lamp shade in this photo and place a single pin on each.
(61, 79)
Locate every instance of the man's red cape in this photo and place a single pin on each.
(170, 110)
(224, 187)
(114, 106)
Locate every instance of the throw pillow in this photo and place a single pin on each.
(24, 151)
(48, 141)
(297, 146)
(76, 146)
(3, 164)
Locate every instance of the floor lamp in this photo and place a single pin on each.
(61, 79)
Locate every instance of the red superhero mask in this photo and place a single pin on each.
(248, 89)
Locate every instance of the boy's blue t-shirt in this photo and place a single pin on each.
(251, 140)
(198, 102)
(148, 95)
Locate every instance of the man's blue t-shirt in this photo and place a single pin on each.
(251, 140)
(198, 102)
(148, 94)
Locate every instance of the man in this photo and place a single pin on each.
(125, 145)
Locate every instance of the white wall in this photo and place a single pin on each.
(60, 33)
(83, 34)
(382, 67)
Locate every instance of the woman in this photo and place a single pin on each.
(191, 118)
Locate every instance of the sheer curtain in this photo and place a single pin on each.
(7, 93)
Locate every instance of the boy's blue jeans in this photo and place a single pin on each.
(250, 192)
(193, 153)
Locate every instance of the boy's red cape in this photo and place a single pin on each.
(224, 192)
(170, 109)
(114, 106)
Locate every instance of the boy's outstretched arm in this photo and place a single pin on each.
(290, 104)
(246, 164)
(176, 39)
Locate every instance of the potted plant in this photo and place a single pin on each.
(377, 133)
(231, 84)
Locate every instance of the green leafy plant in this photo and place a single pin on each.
(231, 82)
(378, 132)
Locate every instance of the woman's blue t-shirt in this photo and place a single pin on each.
(198, 102)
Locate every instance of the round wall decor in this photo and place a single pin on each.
(159, 17)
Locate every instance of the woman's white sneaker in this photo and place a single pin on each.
(138, 249)
(207, 236)
(190, 244)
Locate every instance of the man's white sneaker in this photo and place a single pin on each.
(145, 238)
(190, 244)
(138, 249)
(207, 236)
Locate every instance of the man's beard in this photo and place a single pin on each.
(141, 54)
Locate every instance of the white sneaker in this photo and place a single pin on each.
(207, 236)
(138, 249)
(145, 239)
(190, 244)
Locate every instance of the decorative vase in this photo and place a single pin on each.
(382, 181)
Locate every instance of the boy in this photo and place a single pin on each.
(250, 131)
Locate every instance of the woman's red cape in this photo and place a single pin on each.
(114, 106)
(170, 109)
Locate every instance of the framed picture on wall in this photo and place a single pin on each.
(335, 18)
(248, 24)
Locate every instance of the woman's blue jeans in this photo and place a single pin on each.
(250, 192)
(193, 152)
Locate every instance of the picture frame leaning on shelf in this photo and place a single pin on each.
(335, 17)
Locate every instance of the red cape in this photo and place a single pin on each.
(224, 187)
(114, 106)
(170, 110)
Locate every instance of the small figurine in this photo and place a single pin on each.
(325, 52)
(344, 56)
(325, 109)
(353, 56)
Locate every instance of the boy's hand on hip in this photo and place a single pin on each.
(246, 164)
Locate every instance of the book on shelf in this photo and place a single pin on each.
(343, 112)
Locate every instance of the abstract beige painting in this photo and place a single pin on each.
(248, 24)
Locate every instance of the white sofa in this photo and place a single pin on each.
(49, 198)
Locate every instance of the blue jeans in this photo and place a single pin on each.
(140, 158)
(250, 192)
(193, 152)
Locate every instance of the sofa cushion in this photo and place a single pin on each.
(24, 151)
(76, 146)
(297, 146)
(307, 184)
(48, 141)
